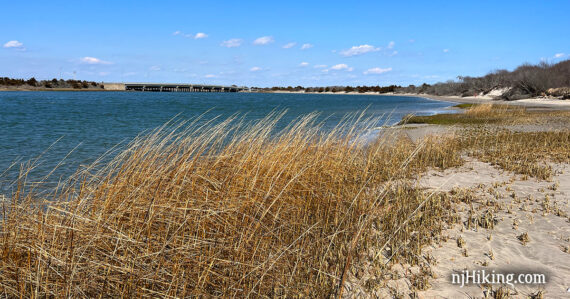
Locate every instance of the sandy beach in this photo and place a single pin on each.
(523, 212)
(548, 103)
(518, 205)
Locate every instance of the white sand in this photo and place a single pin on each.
(547, 252)
(549, 234)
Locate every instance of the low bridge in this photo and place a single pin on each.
(172, 87)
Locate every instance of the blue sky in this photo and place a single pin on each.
(268, 43)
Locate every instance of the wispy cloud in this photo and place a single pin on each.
(198, 35)
(377, 71)
(391, 45)
(320, 66)
(210, 76)
(155, 68)
(359, 50)
(232, 43)
(303, 64)
(255, 69)
(559, 55)
(264, 40)
(289, 45)
(14, 44)
(306, 46)
(341, 67)
(445, 50)
(93, 60)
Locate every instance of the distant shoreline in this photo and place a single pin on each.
(52, 89)
(535, 103)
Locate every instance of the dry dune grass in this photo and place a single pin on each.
(238, 209)
(474, 114)
(526, 153)
(232, 209)
(484, 137)
(492, 114)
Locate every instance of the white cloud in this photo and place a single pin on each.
(289, 45)
(154, 68)
(232, 43)
(210, 76)
(412, 40)
(359, 50)
(306, 46)
(255, 69)
(103, 74)
(558, 55)
(200, 35)
(394, 53)
(445, 50)
(14, 44)
(320, 66)
(93, 60)
(340, 67)
(264, 40)
(377, 71)
(391, 45)
(303, 64)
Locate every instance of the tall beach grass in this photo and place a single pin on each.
(238, 209)
(228, 209)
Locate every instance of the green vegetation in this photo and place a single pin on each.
(481, 114)
(335, 89)
(464, 106)
(48, 84)
(446, 119)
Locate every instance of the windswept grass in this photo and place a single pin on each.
(527, 153)
(231, 209)
(237, 209)
(473, 114)
(464, 105)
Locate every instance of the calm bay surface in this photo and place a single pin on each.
(90, 123)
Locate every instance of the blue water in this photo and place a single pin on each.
(30, 122)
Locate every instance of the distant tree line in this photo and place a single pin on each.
(335, 89)
(54, 83)
(525, 81)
